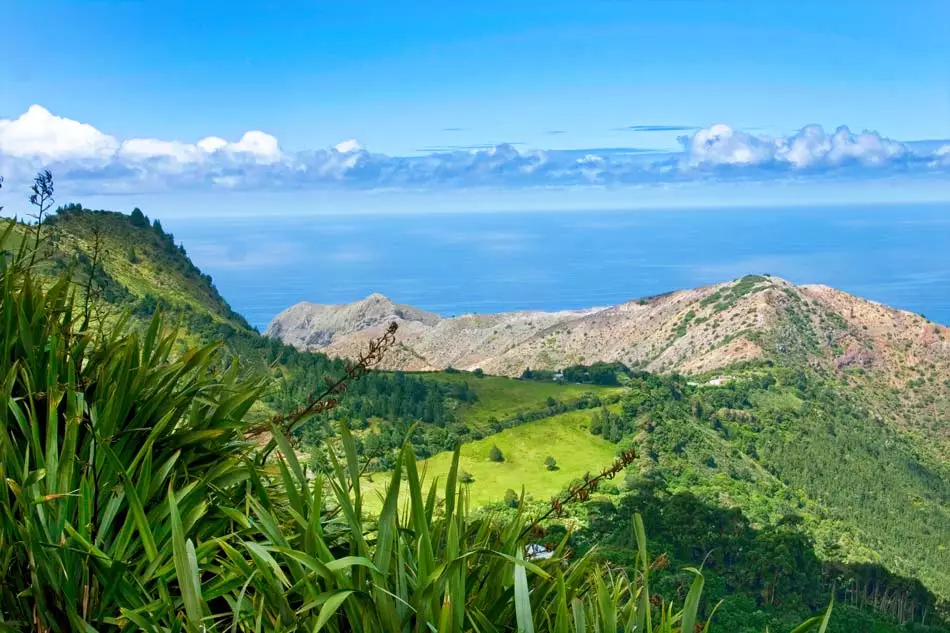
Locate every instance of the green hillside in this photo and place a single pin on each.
(776, 449)
(768, 452)
(565, 437)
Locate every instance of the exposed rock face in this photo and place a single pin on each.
(690, 331)
(314, 326)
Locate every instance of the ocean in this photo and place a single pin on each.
(455, 263)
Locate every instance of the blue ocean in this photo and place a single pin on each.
(454, 263)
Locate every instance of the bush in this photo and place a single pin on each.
(495, 454)
(165, 437)
(550, 463)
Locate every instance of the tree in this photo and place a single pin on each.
(511, 498)
(138, 219)
(613, 432)
(495, 454)
(478, 373)
(465, 477)
(132, 256)
(550, 463)
(596, 424)
(157, 225)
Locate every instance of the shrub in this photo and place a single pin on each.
(495, 454)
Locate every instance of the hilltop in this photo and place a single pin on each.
(127, 262)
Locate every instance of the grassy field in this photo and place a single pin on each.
(501, 397)
(565, 437)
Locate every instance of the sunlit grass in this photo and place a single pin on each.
(565, 437)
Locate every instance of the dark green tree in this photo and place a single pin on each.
(596, 424)
(138, 218)
(550, 463)
(495, 454)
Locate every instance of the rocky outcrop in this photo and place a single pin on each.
(315, 326)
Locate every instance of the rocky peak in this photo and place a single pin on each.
(314, 326)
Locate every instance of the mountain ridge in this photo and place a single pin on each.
(897, 361)
(718, 304)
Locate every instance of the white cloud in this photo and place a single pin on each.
(348, 146)
(79, 153)
(145, 148)
(261, 146)
(721, 145)
(810, 148)
(38, 133)
(211, 144)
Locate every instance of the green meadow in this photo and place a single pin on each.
(565, 437)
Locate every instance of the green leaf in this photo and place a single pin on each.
(691, 606)
(522, 600)
(186, 566)
(329, 608)
(580, 619)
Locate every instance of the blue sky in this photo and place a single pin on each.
(420, 82)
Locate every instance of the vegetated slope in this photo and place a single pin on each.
(130, 267)
(439, 411)
(781, 451)
(127, 262)
(896, 360)
(140, 256)
(565, 437)
(805, 492)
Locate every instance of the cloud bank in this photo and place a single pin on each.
(97, 162)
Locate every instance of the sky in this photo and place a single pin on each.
(334, 101)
